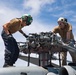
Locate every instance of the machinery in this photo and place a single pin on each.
(44, 44)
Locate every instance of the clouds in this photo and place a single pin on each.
(54, 7)
(74, 18)
(37, 27)
(7, 13)
(64, 14)
(36, 5)
(64, 8)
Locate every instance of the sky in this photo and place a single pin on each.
(45, 14)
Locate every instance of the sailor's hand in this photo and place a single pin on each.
(9, 35)
(25, 35)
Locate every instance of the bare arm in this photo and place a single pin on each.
(6, 29)
(23, 33)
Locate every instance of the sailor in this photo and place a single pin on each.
(11, 47)
(65, 31)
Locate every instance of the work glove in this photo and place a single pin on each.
(9, 35)
(25, 35)
(72, 42)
